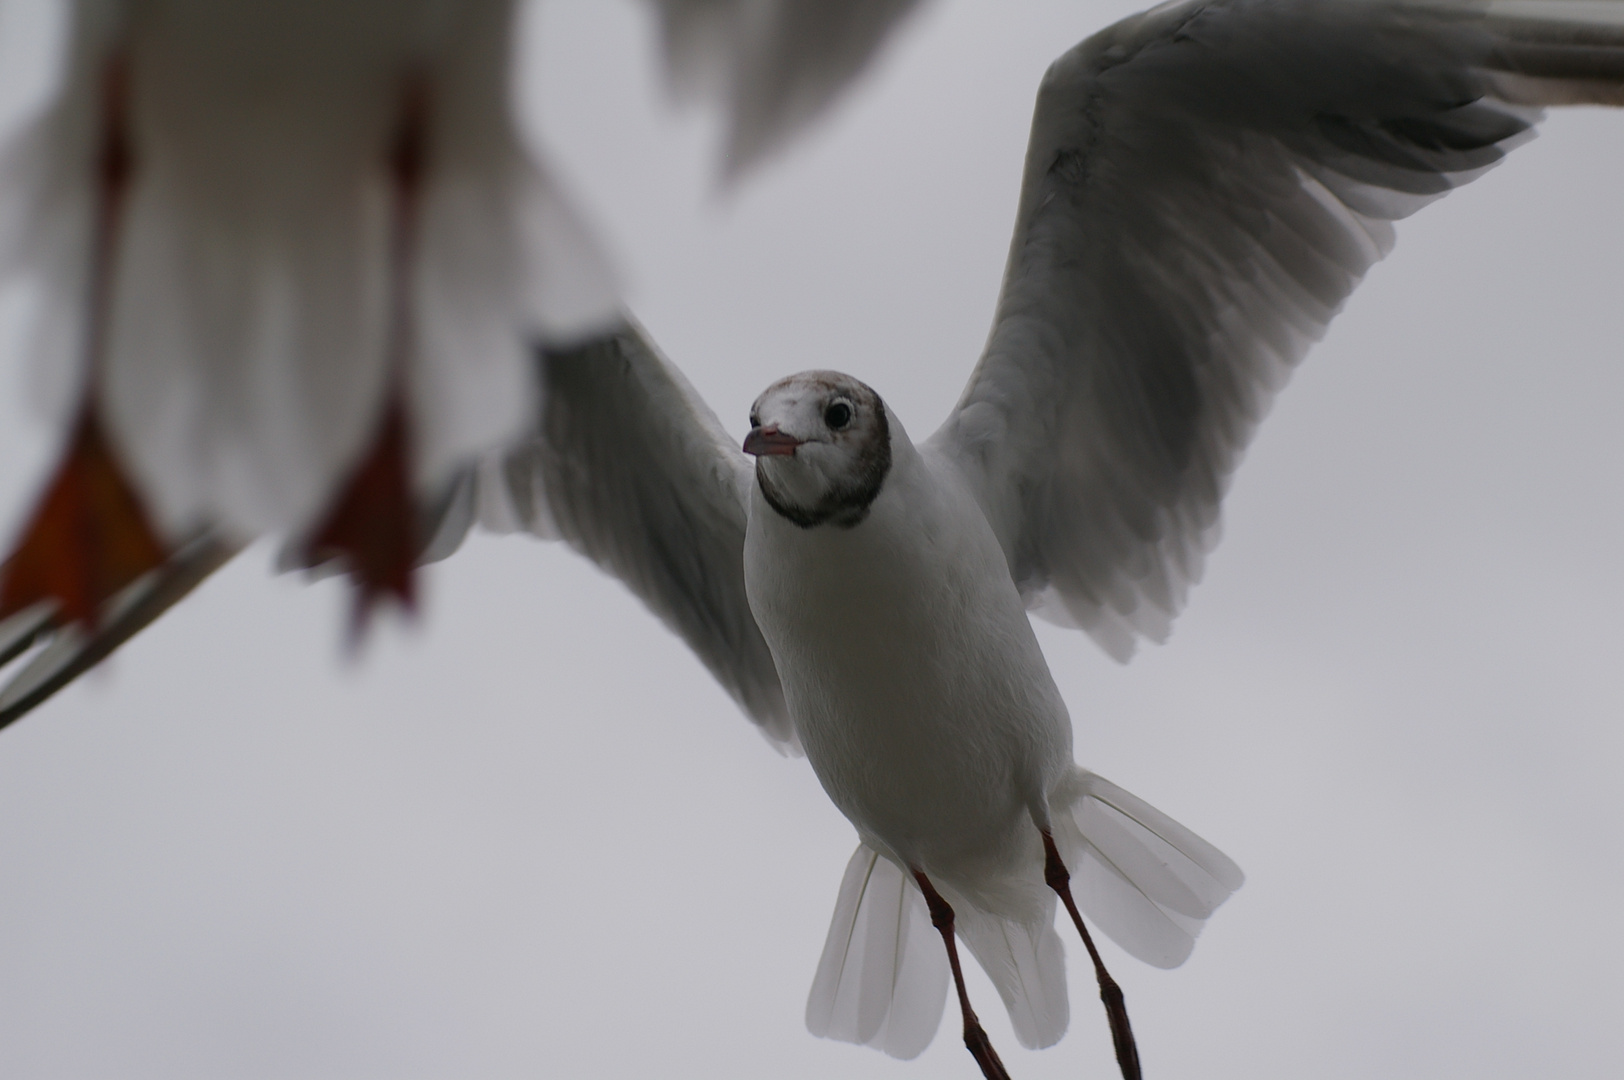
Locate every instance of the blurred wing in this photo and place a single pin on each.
(631, 468)
(51, 655)
(775, 64)
(1205, 185)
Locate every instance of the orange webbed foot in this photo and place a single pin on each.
(88, 539)
(371, 528)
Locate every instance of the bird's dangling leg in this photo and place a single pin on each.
(975, 1038)
(1116, 1010)
(371, 525)
(90, 536)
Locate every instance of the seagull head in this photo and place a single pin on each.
(822, 445)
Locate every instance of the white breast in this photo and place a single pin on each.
(911, 670)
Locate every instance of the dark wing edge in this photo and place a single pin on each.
(1205, 185)
(52, 655)
(45, 654)
(631, 469)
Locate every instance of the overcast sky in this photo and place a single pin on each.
(530, 837)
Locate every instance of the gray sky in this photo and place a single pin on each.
(530, 837)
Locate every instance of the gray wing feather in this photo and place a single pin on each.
(52, 655)
(774, 64)
(1205, 185)
(631, 469)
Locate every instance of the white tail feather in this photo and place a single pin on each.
(1028, 966)
(1148, 882)
(882, 980)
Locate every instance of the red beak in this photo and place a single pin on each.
(766, 441)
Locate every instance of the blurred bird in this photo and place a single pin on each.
(1205, 185)
(294, 256)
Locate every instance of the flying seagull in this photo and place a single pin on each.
(1205, 186)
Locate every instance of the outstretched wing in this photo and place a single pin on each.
(626, 464)
(1205, 185)
(631, 469)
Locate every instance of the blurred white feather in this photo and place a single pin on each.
(771, 64)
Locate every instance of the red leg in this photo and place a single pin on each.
(372, 522)
(975, 1038)
(1116, 1010)
(372, 525)
(90, 536)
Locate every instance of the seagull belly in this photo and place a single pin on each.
(911, 671)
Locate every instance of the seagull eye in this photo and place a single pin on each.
(837, 415)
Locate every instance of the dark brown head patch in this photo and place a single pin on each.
(866, 436)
